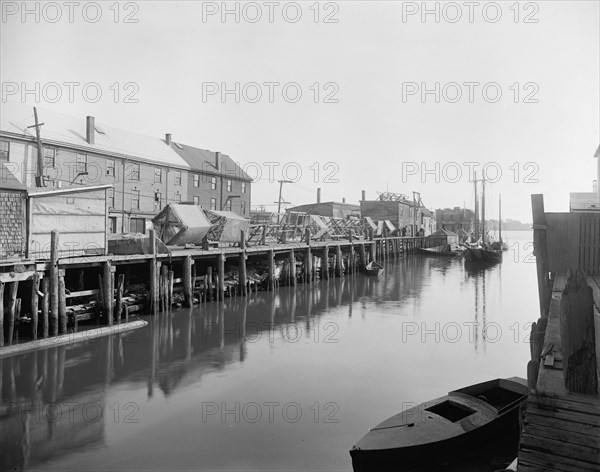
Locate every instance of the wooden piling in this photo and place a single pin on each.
(154, 283)
(45, 306)
(108, 293)
(54, 237)
(308, 266)
(119, 305)
(209, 283)
(221, 275)
(1, 314)
(35, 288)
(339, 269)
(170, 282)
(187, 281)
(325, 263)
(577, 335)
(242, 265)
(292, 257)
(62, 305)
(351, 260)
(362, 256)
(372, 250)
(271, 268)
(12, 309)
(164, 291)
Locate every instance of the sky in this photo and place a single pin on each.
(344, 96)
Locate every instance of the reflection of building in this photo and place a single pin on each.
(455, 219)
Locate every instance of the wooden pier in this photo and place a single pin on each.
(51, 297)
(562, 420)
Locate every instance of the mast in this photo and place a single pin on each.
(500, 217)
(483, 209)
(476, 222)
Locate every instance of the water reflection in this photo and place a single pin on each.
(54, 401)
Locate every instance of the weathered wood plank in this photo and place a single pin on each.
(568, 437)
(586, 455)
(553, 422)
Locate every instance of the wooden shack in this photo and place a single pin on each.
(13, 203)
(79, 213)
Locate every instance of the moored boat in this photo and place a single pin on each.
(374, 268)
(455, 422)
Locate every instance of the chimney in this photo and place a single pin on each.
(217, 160)
(168, 139)
(344, 200)
(90, 130)
(364, 195)
(318, 195)
(594, 186)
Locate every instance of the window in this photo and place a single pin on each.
(157, 200)
(135, 199)
(81, 163)
(177, 198)
(137, 225)
(49, 157)
(213, 203)
(196, 200)
(243, 207)
(196, 180)
(111, 198)
(228, 205)
(213, 183)
(110, 167)
(157, 175)
(177, 175)
(229, 185)
(112, 221)
(134, 175)
(4, 150)
(243, 187)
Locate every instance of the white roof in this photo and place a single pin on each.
(71, 131)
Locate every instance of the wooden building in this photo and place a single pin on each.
(454, 219)
(13, 198)
(146, 173)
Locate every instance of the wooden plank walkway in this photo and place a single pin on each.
(562, 429)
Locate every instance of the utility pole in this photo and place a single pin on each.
(280, 201)
(39, 176)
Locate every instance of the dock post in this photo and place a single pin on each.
(325, 263)
(187, 281)
(154, 295)
(62, 304)
(164, 280)
(1, 313)
(292, 267)
(171, 278)
(339, 269)
(108, 293)
(308, 258)
(362, 256)
(221, 275)
(271, 267)
(352, 260)
(45, 305)
(119, 307)
(242, 264)
(54, 281)
(12, 308)
(209, 283)
(35, 288)
(372, 250)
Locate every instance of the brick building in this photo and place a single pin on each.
(454, 219)
(146, 172)
(331, 209)
(13, 203)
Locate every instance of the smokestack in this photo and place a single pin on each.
(168, 139)
(318, 195)
(595, 186)
(90, 130)
(364, 195)
(344, 200)
(217, 160)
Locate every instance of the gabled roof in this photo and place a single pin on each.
(204, 160)
(8, 181)
(71, 131)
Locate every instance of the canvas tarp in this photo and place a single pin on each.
(134, 243)
(228, 226)
(178, 225)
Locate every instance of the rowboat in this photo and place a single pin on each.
(374, 268)
(459, 421)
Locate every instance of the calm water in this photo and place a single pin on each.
(278, 382)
